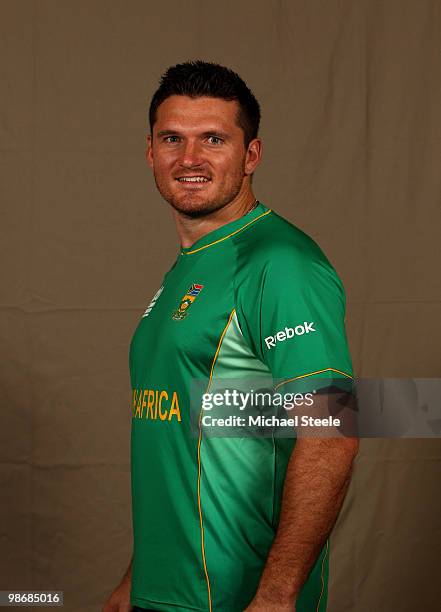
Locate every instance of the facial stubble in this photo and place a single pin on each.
(199, 209)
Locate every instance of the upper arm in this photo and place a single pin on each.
(291, 310)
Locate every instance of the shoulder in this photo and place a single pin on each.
(274, 244)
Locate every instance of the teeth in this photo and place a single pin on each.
(193, 179)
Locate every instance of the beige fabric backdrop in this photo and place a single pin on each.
(351, 97)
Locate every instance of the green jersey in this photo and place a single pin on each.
(255, 296)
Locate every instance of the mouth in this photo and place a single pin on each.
(193, 180)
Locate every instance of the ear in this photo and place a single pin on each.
(149, 151)
(253, 156)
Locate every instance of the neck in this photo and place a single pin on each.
(191, 230)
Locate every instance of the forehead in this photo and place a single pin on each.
(205, 113)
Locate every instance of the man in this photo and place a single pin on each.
(248, 295)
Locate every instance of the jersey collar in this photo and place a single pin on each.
(226, 231)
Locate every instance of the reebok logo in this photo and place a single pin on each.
(288, 333)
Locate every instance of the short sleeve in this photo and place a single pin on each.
(291, 311)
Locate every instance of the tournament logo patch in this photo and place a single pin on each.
(187, 301)
(153, 302)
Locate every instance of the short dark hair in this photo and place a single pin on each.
(198, 78)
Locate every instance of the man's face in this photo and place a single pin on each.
(198, 155)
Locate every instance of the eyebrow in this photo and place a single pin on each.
(216, 133)
(167, 132)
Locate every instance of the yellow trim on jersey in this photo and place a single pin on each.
(229, 235)
(322, 578)
(312, 374)
(199, 459)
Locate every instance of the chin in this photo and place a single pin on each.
(194, 207)
(193, 204)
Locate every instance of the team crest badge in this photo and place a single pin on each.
(187, 301)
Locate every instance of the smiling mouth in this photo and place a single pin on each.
(193, 179)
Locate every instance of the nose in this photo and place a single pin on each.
(191, 154)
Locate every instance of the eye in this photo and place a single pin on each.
(215, 140)
(171, 139)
